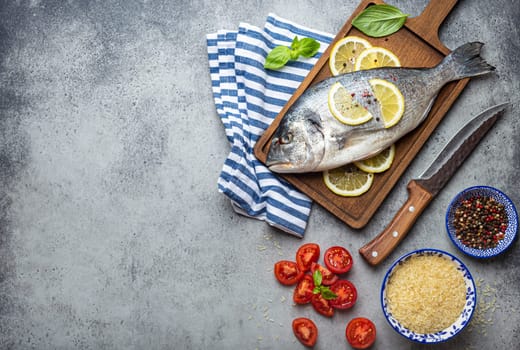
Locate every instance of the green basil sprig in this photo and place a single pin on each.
(380, 20)
(280, 55)
(325, 291)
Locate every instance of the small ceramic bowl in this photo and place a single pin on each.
(448, 332)
(512, 216)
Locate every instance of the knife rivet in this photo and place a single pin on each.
(374, 254)
(395, 233)
(411, 209)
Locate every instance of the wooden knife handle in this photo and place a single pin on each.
(381, 246)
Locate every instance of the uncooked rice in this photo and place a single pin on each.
(426, 293)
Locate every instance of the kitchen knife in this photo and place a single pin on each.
(423, 189)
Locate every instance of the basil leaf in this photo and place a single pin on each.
(277, 57)
(280, 55)
(327, 294)
(295, 45)
(316, 290)
(308, 47)
(294, 55)
(380, 20)
(316, 276)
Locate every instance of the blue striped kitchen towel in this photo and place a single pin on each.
(247, 99)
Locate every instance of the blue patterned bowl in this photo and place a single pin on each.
(458, 325)
(512, 215)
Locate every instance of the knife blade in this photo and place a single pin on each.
(423, 189)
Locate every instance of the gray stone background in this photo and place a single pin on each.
(112, 232)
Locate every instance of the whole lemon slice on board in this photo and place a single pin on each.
(348, 180)
(345, 108)
(390, 99)
(344, 54)
(376, 57)
(379, 162)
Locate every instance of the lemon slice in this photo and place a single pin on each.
(344, 108)
(348, 180)
(376, 57)
(390, 100)
(379, 162)
(344, 54)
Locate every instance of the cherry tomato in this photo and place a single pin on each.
(305, 330)
(306, 255)
(303, 291)
(360, 333)
(338, 259)
(346, 292)
(322, 305)
(327, 277)
(287, 272)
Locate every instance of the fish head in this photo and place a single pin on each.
(298, 144)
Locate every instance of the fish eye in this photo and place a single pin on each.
(286, 138)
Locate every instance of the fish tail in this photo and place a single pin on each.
(465, 62)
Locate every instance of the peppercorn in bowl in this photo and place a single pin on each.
(482, 221)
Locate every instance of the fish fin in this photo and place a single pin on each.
(465, 62)
(354, 137)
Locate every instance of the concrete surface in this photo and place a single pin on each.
(112, 232)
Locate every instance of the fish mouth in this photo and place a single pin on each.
(276, 161)
(278, 165)
(282, 165)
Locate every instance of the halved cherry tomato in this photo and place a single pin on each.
(338, 259)
(346, 294)
(327, 277)
(287, 272)
(322, 305)
(360, 333)
(305, 330)
(306, 255)
(303, 291)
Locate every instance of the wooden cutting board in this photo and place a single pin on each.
(417, 45)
